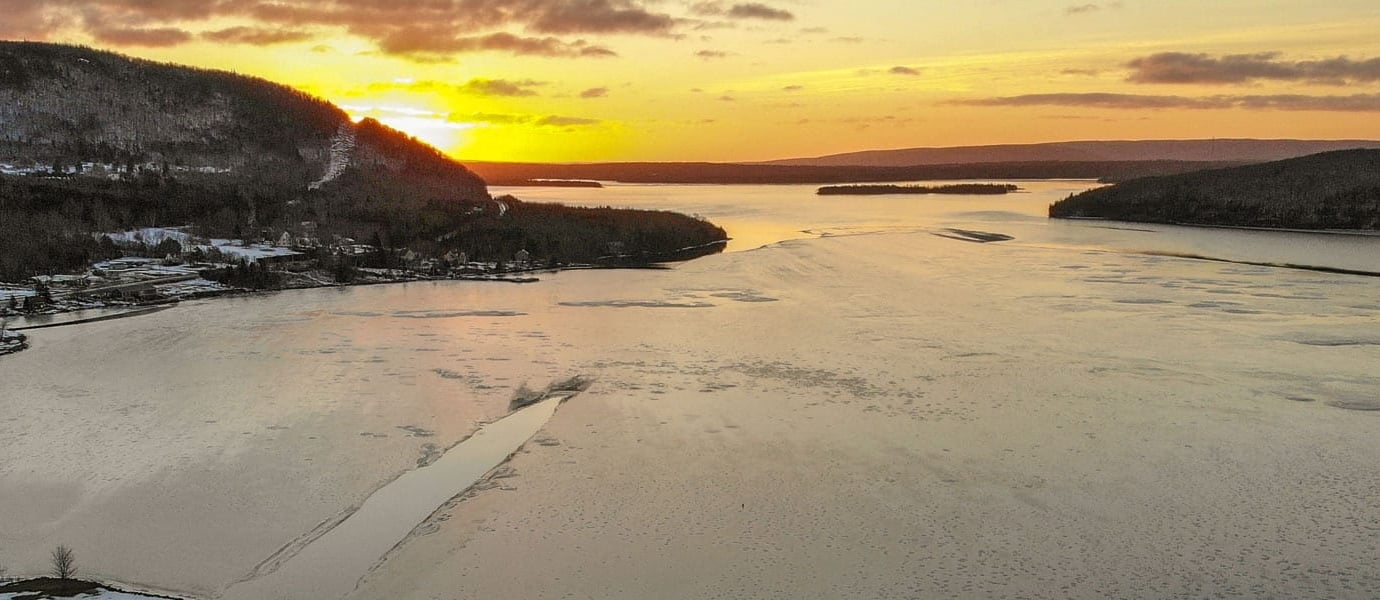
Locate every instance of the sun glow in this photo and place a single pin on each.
(432, 127)
(804, 79)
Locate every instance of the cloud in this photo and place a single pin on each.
(710, 8)
(491, 118)
(498, 87)
(792, 88)
(1352, 103)
(409, 28)
(903, 70)
(1097, 100)
(26, 19)
(597, 92)
(814, 30)
(712, 25)
(559, 121)
(153, 37)
(255, 36)
(474, 87)
(589, 16)
(432, 42)
(1079, 72)
(748, 10)
(847, 39)
(1083, 9)
(1180, 67)
(754, 10)
(711, 54)
(511, 119)
(1288, 102)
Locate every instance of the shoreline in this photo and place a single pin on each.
(1341, 232)
(141, 310)
(50, 587)
(132, 312)
(519, 276)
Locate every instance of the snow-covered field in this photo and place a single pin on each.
(879, 413)
(234, 249)
(151, 235)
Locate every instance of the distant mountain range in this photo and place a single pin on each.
(1211, 150)
(497, 173)
(1332, 190)
(1106, 160)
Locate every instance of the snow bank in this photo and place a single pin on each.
(251, 253)
(151, 235)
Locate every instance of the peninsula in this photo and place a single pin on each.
(1331, 190)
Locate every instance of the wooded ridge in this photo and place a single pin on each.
(1331, 190)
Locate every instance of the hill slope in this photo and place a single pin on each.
(61, 106)
(1332, 190)
(1218, 150)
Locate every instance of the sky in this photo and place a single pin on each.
(724, 80)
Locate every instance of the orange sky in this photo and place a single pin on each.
(597, 80)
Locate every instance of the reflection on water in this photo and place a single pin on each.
(23, 322)
(756, 215)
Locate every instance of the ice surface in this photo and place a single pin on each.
(910, 416)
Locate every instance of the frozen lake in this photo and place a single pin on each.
(756, 215)
(843, 405)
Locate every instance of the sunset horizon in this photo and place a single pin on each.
(630, 299)
(623, 80)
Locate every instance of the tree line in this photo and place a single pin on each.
(1332, 190)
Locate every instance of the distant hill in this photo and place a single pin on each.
(1216, 150)
(729, 173)
(1332, 190)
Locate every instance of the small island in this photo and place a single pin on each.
(962, 189)
(560, 183)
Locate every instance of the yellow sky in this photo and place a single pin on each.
(598, 80)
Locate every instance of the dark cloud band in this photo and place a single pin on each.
(1292, 102)
(1180, 67)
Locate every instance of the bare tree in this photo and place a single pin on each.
(64, 563)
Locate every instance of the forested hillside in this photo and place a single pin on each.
(1332, 190)
(62, 106)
